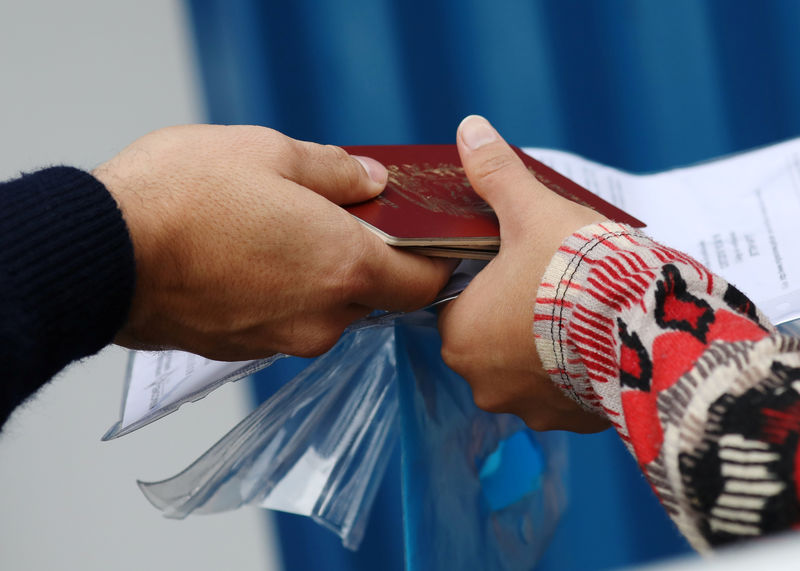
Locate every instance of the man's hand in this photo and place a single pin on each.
(241, 249)
(487, 333)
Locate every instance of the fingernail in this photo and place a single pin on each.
(376, 171)
(476, 132)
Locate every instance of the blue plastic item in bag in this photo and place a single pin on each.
(479, 489)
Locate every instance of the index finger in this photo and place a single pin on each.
(395, 280)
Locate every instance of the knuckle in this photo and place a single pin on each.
(290, 149)
(487, 400)
(493, 166)
(268, 136)
(456, 355)
(358, 267)
(451, 355)
(460, 341)
(288, 156)
(258, 137)
(343, 168)
(266, 147)
(542, 420)
(336, 153)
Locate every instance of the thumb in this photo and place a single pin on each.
(497, 174)
(333, 173)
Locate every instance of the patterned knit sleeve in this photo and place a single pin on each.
(702, 390)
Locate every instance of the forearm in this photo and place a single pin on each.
(693, 378)
(66, 276)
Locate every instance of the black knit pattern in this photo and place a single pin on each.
(67, 276)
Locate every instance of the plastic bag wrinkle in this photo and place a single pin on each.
(318, 447)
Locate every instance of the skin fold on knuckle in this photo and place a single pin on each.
(487, 399)
(457, 354)
(276, 152)
(335, 154)
(257, 137)
(345, 172)
(364, 258)
(493, 166)
(540, 422)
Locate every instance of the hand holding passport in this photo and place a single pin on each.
(487, 332)
(430, 208)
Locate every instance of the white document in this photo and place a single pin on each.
(157, 383)
(736, 215)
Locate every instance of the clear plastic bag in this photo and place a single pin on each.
(318, 447)
(478, 488)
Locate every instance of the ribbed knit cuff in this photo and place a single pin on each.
(66, 269)
(562, 290)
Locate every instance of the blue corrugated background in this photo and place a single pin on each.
(639, 85)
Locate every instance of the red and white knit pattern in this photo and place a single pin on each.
(598, 273)
(692, 376)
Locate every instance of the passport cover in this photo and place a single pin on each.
(428, 200)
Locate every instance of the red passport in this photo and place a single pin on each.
(429, 206)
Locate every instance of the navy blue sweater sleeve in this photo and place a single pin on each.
(67, 276)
